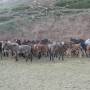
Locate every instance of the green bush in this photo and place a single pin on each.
(77, 4)
(2, 19)
(21, 7)
(8, 27)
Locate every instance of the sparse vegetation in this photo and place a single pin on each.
(26, 13)
(21, 7)
(3, 19)
(76, 4)
(71, 74)
(8, 27)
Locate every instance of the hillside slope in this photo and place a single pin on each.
(39, 19)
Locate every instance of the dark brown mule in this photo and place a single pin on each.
(40, 50)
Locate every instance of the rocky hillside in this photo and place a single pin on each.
(39, 19)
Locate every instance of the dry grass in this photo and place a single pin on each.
(71, 74)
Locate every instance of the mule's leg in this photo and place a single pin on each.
(62, 55)
(53, 56)
(80, 53)
(4, 54)
(31, 56)
(39, 55)
(1, 55)
(50, 57)
(12, 53)
(85, 52)
(89, 54)
(59, 56)
(7, 54)
(56, 54)
(16, 56)
(48, 53)
(27, 57)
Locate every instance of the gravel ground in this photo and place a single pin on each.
(71, 74)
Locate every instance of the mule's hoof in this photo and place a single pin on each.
(16, 60)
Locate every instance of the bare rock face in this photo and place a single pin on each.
(51, 26)
(60, 28)
(63, 28)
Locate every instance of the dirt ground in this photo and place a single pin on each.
(71, 74)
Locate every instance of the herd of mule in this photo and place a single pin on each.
(44, 48)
